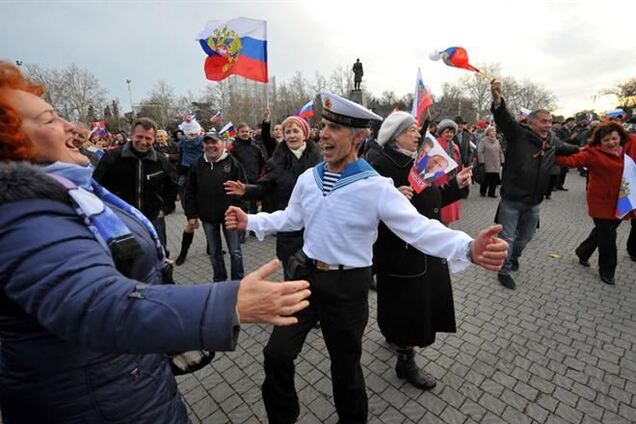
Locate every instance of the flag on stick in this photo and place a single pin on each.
(421, 98)
(228, 130)
(456, 57)
(236, 46)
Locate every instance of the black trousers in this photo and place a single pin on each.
(561, 181)
(603, 236)
(489, 183)
(554, 179)
(339, 300)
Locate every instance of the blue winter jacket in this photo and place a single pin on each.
(79, 342)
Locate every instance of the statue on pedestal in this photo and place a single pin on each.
(357, 74)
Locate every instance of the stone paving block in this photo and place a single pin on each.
(491, 403)
(569, 414)
(611, 418)
(536, 412)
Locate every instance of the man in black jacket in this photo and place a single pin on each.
(141, 176)
(205, 199)
(464, 139)
(252, 158)
(530, 155)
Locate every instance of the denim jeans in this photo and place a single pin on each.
(519, 221)
(213, 235)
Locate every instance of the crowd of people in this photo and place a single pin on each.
(95, 294)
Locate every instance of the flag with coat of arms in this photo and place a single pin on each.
(627, 192)
(235, 47)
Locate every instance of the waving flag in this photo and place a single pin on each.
(236, 46)
(456, 57)
(217, 117)
(523, 113)
(228, 130)
(421, 98)
(616, 113)
(98, 127)
(307, 111)
(627, 193)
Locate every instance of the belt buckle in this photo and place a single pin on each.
(322, 266)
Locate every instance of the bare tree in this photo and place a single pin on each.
(477, 87)
(161, 105)
(340, 81)
(72, 91)
(625, 93)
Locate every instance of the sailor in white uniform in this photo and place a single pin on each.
(339, 203)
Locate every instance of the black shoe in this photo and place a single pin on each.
(561, 189)
(632, 257)
(482, 194)
(494, 196)
(506, 281)
(607, 280)
(317, 325)
(180, 259)
(407, 369)
(514, 264)
(584, 262)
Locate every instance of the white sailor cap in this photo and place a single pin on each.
(345, 112)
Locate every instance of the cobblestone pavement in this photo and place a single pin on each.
(559, 349)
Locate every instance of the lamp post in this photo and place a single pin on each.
(132, 107)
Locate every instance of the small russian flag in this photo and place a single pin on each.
(228, 130)
(421, 98)
(217, 117)
(307, 111)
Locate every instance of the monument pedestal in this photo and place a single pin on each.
(356, 96)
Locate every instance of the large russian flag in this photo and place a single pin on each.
(627, 192)
(236, 46)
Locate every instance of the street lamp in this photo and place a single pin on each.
(132, 107)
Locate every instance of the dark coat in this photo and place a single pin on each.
(415, 298)
(81, 343)
(205, 196)
(148, 183)
(281, 173)
(528, 162)
(250, 156)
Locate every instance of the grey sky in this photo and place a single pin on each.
(574, 48)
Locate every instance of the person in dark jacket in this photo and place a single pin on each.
(415, 298)
(85, 324)
(168, 148)
(205, 199)
(528, 163)
(253, 160)
(141, 176)
(290, 159)
(464, 140)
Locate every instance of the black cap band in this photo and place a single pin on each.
(347, 121)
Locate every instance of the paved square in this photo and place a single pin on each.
(559, 349)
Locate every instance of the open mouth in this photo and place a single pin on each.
(71, 145)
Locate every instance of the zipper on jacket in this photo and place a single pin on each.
(140, 170)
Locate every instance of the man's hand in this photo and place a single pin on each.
(488, 250)
(268, 115)
(235, 218)
(407, 191)
(464, 177)
(495, 89)
(261, 301)
(234, 188)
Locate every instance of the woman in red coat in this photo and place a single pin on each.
(604, 158)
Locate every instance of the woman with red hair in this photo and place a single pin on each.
(604, 157)
(85, 323)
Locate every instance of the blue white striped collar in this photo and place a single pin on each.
(358, 170)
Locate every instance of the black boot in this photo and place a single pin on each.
(406, 368)
(186, 241)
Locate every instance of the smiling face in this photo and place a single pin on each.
(408, 139)
(213, 148)
(52, 136)
(339, 145)
(611, 140)
(448, 134)
(294, 136)
(142, 139)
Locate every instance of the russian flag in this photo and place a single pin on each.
(235, 47)
(421, 98)
(217, 117)
(627, 193)
(307, 111)
(228, 130)
(454, 56)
